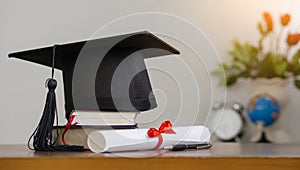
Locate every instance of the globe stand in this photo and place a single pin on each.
(263, 139)
(260, 135)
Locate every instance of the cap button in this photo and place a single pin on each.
(52, 84)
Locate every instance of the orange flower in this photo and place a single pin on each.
(293, 39)
(269, 21)
(285, 19)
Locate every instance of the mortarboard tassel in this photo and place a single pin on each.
(42, 135)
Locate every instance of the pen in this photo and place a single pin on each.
(180, 147)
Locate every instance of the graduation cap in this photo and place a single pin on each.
(100, 74)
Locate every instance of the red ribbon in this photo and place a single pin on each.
(68, 126)
(165, 127)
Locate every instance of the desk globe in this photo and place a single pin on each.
(263, 108)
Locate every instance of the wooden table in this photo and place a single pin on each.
(220, 156)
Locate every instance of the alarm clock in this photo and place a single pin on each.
(230, 123)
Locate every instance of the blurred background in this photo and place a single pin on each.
(32, 24)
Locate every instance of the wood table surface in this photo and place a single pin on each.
(220, 156)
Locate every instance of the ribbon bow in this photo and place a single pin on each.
(165, 127)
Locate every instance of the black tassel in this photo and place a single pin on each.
(42, 140)
(42, 135)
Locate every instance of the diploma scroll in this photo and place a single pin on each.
(137, 139)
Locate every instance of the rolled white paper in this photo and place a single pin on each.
(137, 139)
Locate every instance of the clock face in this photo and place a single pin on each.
(229, 124)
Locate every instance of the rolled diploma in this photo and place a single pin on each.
(137, 139)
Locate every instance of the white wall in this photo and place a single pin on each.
(31, 24)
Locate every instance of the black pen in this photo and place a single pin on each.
(180, 147)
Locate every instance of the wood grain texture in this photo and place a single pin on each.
(150, 163)
(221, 156)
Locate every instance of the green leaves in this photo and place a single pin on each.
(246, 63)
(260, 28)
(280, 68)
(294, 66)
(279, 64)
(297, 83)
(244, 58)
(249, 61)
(238, 64)
(243, 54)
(231, 80)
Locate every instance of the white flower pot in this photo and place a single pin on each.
(275, 87)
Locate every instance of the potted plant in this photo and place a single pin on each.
(271, 62)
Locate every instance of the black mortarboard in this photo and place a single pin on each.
(106, 74)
